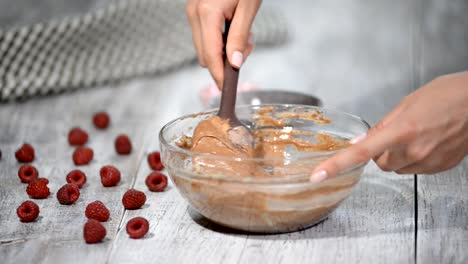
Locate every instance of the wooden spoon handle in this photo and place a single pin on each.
(229, 91)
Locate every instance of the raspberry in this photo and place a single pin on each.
(154, 161)
(37, 189)
(97, 210)
(93, 231)
(25, 153)
(137, 227)
(123, 145)
(156, 181)
(110, 176)
(27, 173)
(101, 120)
(28, 211)
(133, 199)
(68, 194)
(82, 155)
(77, 136)
(76, 177)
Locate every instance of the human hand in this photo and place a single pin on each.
(425, 134)
(207, 19)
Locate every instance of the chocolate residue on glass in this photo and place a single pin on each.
(271, 135)
(220, 188)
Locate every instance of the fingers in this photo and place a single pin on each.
(393, 159)
(431, 165)
(192, 14)
(212, 23)
(389, 118)
(356, 154)
(445, 156)
(207, 18)
(386, 121)
(250, 46)
(238, 38)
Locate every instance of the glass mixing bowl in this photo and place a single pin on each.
(283, 201)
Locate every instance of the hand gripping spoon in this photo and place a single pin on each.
(238, 134)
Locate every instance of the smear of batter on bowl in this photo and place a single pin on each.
(271, 136)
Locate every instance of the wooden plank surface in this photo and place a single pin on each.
(370, 227)
(442, 235)
(57, 235)
(443, 216)
(339, 52)
(376, 224)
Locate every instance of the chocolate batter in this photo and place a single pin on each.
(271, 136)
(222, 191)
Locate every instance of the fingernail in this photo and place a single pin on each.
(237, 59)
(251, 39)
(319, 176)
(357, 139)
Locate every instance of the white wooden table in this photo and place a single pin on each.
(361, 57)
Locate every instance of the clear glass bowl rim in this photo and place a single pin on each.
(174, 148)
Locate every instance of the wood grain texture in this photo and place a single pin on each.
(356, 56)
(375, 225)
(45, 123)
(443, 216)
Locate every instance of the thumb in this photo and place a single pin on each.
(238, 44)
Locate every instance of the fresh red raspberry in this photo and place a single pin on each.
(27, 173)
(68, 194)
(133, 199)
(93, 231)
(101, 120)
(156, 181)
(110, 176)
(97, 210)
(37, 189)
(77, 136)
(137, 227)
(154, 161)
(123, 145)
(25, 153)
(28, 211)
(82, 155)
(76, 177)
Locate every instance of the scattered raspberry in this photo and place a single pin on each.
(101, 120)
(154, 161)
(28, 211)
(76, 177)
(110, 176)
(77, 136)
(133, 199)
(25, 153)
(68, 194)
(123, 145)
(37, 189)
(82, 155)
(93, 231)
(27, 173)
(137, 227)
(156, 181)
(97, 210)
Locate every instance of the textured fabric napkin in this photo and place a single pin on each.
(113, 41)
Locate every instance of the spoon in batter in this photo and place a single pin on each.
(239, 134)
(224, 134)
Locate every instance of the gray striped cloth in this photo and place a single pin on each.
(114, 41)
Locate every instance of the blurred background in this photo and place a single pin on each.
(358, 56)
